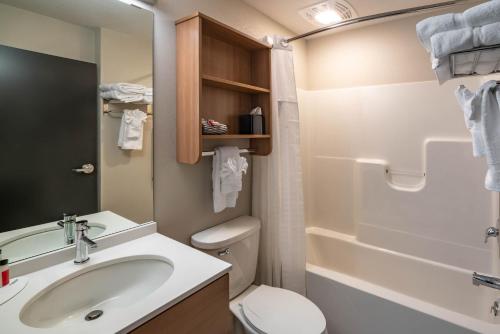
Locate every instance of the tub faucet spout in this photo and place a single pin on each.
(489, 281)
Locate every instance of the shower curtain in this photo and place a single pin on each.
(277, 195)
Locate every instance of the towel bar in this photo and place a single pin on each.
(212, 153)
(477, 53)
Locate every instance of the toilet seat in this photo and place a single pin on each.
(274, 311)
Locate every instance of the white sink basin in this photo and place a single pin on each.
(107, 287)
(40, 241)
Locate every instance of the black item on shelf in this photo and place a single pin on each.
(252, 124)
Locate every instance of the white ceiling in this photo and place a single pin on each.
(111, 14)
(286, 11)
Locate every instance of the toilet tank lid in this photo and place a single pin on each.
(226, 233)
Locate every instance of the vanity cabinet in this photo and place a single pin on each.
(204, 312)
(221, 75)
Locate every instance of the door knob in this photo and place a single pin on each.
(85, 169)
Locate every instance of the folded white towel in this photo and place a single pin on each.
(119, 96)
(485, 13)
(445, 43)
(227, 170)
(127, 93)
(436, 24)
(123, 87)
(132, 129)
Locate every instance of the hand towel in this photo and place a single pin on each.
(490, 126)
(227, 169)
(132, 130)
(231, 174)
(469, 103)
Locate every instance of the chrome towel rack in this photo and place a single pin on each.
(212, 153)
(477, 55)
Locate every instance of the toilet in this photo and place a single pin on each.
(256, 309)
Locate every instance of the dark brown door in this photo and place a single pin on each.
(48, 127)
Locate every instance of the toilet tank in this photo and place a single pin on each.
(237, 242)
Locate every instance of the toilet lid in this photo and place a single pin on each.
(276, 311)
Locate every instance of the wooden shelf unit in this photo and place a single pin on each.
(221, 74)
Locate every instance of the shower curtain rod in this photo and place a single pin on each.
(379, 16)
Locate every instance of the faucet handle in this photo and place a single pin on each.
(82, 225)
(490, 232)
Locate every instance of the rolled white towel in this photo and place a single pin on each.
(436, 24)
(445, 43)
(483, 14)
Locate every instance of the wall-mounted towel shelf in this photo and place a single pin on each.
(465, 63)
(221, 75)
(212, 153)
(120, 106)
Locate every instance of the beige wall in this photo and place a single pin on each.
(30, 31)
(183, 198)
(383, 53)
(126, 176)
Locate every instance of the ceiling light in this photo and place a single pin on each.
(327, 17)
(328, 12)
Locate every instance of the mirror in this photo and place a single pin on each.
(76, 80)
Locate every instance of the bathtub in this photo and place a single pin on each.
(363, 289)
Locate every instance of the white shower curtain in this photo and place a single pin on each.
(277, 184)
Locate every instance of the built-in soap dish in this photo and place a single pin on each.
(405, 179)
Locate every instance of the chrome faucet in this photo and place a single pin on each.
(489, 281)
(68, 223)
(82, 242)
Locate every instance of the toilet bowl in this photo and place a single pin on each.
(256, 309)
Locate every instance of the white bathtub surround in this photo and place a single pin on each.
(227, 172)
(358, 287)
(442, 220)
(277, 184)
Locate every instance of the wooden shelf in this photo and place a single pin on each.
(221, 75)
(219, 137)
(213, 81)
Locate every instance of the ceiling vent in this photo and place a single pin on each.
(342, 11)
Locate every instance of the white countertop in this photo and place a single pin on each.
(192, 271)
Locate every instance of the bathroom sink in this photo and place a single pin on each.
(92, 293)
(41, 241)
